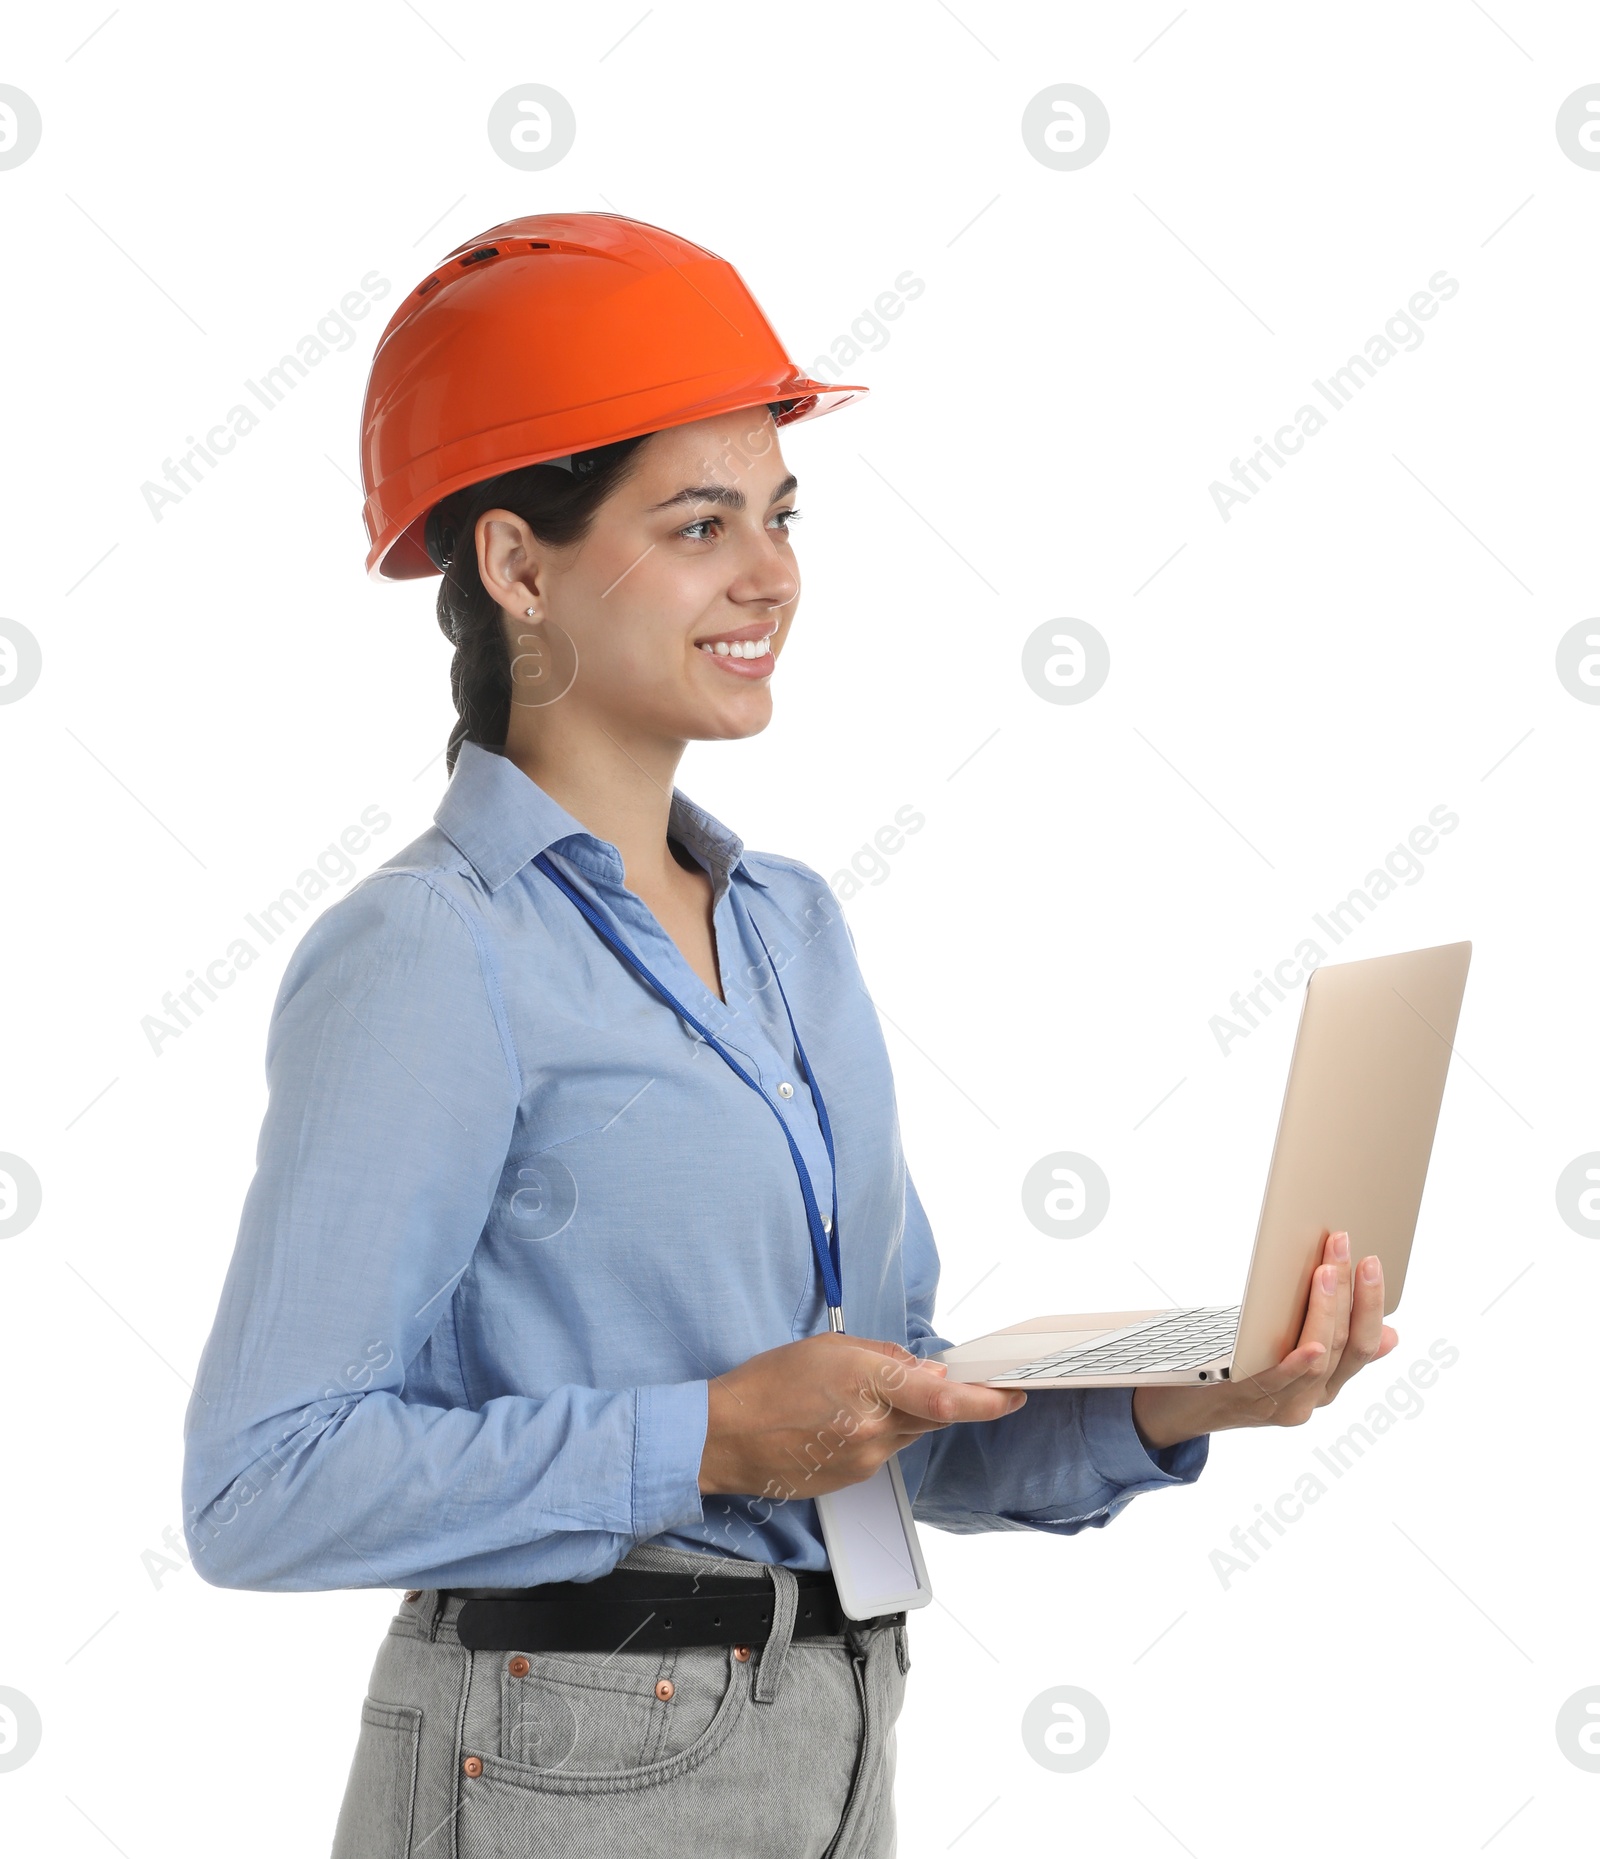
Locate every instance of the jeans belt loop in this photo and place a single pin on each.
(785, 1604)
(436, 1600)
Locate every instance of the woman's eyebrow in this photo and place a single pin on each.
(724, 494)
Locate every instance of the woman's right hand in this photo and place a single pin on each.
(812, 1416)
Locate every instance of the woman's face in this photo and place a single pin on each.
(667, 620)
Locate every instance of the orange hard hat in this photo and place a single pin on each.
(551, 335)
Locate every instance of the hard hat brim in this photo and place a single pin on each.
(399, 554)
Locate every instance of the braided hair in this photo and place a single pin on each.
(559, 507)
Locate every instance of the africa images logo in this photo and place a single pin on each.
(1402, 865)
(1402, 1400)
(1402, 331)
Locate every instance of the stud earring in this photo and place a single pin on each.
(531, 614)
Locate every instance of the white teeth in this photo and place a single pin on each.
(739, 648)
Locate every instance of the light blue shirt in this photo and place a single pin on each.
(510, 1214)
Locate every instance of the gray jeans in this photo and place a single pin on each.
(786, 1754)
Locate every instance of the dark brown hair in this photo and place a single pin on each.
(559, 507)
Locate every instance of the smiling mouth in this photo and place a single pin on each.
(746, 653)
(737, 648)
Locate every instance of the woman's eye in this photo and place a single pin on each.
(693, 532)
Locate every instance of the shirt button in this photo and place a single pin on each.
(786, 1089)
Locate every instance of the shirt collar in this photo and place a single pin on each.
(499, 818)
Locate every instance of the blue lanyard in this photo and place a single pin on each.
(824, 1234)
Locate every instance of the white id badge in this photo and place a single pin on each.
(872, 1544)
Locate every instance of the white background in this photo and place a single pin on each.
(1372, 636)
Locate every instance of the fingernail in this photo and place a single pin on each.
(1371, 1270)
(1330, 1278)
(1341, 1245)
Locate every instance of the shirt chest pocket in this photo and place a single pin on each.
(615, 1127)
(629, 1195)
(574, 1134)
(538, 1196)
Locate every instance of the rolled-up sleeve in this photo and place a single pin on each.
(393, 1088)
(1066, 1460)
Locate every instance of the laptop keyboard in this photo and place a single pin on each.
(1183, 1339)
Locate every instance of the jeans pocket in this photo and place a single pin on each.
(375, 1816)
(577, 1719)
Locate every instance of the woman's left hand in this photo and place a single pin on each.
(1344, 1331)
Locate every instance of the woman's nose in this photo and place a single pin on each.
(772, 582)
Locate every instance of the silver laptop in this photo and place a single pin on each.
(1354, 1137)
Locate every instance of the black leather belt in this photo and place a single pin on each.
(646, 1610)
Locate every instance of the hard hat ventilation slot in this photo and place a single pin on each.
(477, 257)
(538, 245)
(427, 285)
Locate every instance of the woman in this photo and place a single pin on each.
(524, 1315)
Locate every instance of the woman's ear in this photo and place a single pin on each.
(507, 561)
